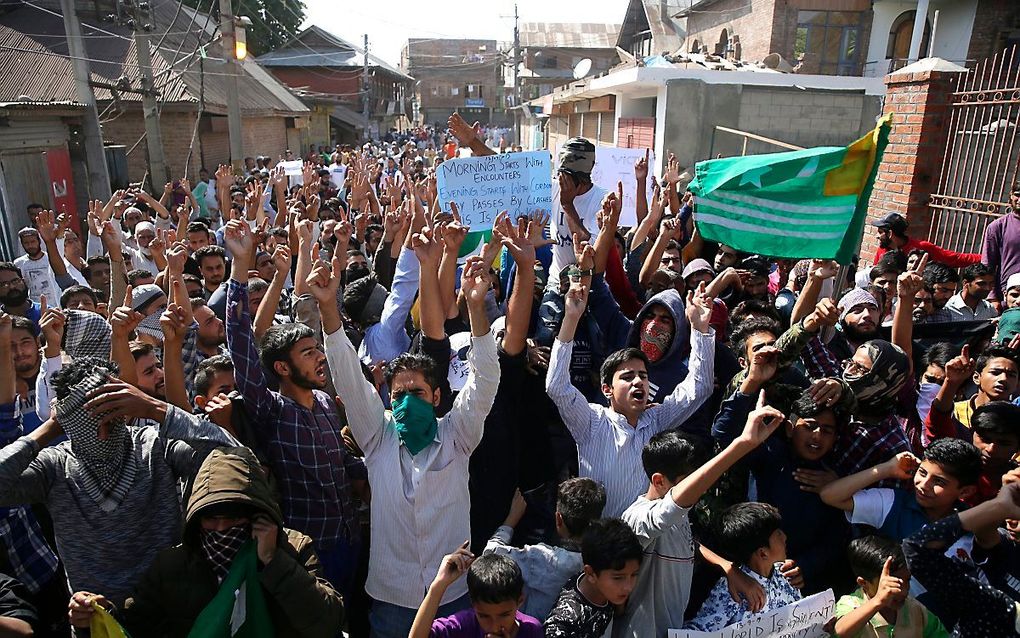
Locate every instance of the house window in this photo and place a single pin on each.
(641, 47)
(833, 37)
(548, 62)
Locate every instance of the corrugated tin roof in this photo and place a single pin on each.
(30, 71)
(177, 70)
(324, 50)
(581, 35)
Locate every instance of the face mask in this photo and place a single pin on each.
(150, 325)
(416, 422)
(655, 338)
(220, 547)
(357, 272)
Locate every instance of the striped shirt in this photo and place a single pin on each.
(609, 448)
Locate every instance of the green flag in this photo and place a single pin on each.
(239, 608)
(794, 205)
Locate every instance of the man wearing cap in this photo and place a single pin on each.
(892, 235)
(1000, 248)
(141, 257)
(35, 267)
(576, 201)
(1013, 291)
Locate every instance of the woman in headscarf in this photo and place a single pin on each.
(872, 381)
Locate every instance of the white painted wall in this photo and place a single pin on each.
(952, 35)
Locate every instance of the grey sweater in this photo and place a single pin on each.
(106, 553)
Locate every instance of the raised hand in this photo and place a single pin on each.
(282, 259)
(474, 282)
(253, 200)
(517, 242)
(823, 269)
(124, 320)
(910, 282)
(900, 467)
(672, 170)
(641, 167)
(584, 253)
(324, 280)
(174, 323)
(46, 226)
(238, 238)
(960, 368)
(761, 423)
(454, 566)
(464, 132)
(891, 590)
(428, 248)
(51, 324)
(576, 300)
(826, 391)
(826, 314)
(764, 364)
(699, 309)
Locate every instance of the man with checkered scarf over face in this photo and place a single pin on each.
(112, 487)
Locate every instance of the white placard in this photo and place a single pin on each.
(802, 619)
(292, 168)
(519, 183)
(613, 165)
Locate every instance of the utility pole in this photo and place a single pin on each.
(150, 108)
(364, 89)
(95, 156)
(227, 38)
(517, 78)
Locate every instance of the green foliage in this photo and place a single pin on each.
(273, 22)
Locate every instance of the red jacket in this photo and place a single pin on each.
(936, 253)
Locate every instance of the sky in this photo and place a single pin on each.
(389, 23)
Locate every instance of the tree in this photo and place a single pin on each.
(273, 22)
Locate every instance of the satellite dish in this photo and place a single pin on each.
(582, 68)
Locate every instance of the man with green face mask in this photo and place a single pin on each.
(421, 505)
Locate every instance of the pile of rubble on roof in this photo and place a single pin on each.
(773, 63)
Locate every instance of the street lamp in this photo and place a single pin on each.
(241, 37)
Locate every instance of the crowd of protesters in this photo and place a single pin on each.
(566, 428)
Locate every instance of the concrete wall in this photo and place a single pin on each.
(813, 117)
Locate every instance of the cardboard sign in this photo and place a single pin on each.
(482, 187)
(613, 165)
(803, 619)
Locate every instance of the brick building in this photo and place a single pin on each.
(552, 50)
(462, 75)
(38, 84)
(329, 70)
(851, 37)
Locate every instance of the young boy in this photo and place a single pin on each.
(579, 501)
(612, 556)
(496, 589)
(789, 469)
(881, 605)
(609, 440)
(677, 480)
(996, 376)
(947, 475)
(750, 534)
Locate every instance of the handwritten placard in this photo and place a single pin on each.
(613, 165)
(803, 619)
(482, 187)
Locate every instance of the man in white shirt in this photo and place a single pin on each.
(576, 201)
(35, 267)
(420, 508)
(971, 303)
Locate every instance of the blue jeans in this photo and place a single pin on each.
(391, 621)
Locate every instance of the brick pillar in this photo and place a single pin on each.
(919, 101)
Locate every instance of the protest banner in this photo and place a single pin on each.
(613, 165)
(803, 619)
(482, 187)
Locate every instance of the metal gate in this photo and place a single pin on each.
(982, 152)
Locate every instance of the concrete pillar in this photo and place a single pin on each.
(918, 34)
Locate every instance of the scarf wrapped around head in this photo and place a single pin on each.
(86, 334)
(875, 392)
(107, 474)
(577, 156)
